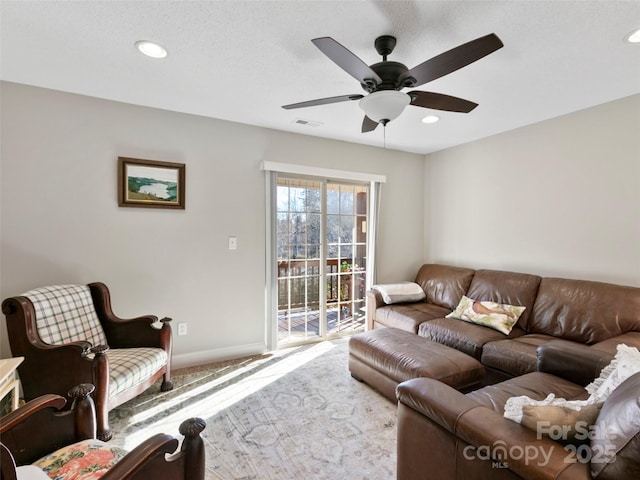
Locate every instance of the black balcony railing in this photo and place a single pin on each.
(299, 283)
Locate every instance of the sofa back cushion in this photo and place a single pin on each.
(584, 311)
(615, 443)
(444, 285)
(65, 313)
(518, 289)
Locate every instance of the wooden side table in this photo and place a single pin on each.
(8, 379)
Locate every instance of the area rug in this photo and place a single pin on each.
(294, 414)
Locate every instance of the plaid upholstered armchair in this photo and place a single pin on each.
(68, 335)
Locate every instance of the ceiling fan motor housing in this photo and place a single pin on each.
(393, 75)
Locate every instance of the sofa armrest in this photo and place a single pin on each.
(571, 361)
(374, 301)
(436, 400)
(487, 434)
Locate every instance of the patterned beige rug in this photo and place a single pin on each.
(295, 414)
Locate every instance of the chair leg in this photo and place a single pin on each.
(104, 433)
(101, 393)
(167, 384)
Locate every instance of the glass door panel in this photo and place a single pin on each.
(346, 257)
(322, 250)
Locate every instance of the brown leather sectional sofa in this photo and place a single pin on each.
(568, 332)
(600, 315)
(444, 434)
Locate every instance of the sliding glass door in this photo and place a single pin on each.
(321, 244)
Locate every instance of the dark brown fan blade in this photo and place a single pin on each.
(346, 60)
(439, 101)
(368, 125)
(454, 59)
(323, 101)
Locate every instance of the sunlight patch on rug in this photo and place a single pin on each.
(298, 415)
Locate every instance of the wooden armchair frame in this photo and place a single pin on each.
(57, 368)
(42, 426)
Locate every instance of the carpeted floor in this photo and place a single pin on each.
(295, 414)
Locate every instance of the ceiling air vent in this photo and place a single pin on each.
(307, 123)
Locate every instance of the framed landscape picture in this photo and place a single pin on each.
(150, 183)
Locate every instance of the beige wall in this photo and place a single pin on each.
(61, 222)
(561, 197)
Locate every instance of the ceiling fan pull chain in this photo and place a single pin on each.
(384, 136)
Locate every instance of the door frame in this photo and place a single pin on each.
(271, 269)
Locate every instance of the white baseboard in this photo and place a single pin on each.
(216, 355)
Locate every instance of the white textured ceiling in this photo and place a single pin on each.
(242, 60)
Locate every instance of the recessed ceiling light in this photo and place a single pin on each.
(151, 49)
(634, 37)
(430, 119)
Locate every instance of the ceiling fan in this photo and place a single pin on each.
(384, 80)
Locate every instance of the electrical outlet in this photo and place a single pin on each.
(182, 328)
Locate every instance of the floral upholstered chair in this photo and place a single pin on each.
(86, 460)
(68, 335)
(29, 435)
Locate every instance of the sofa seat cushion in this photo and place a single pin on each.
(409, 316)
(85, 460)
(131, 366)
(535, 385)
(610, 345)
(515, 356)
(466, 337)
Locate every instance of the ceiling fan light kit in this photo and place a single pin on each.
(384, 105)
(384, 80)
